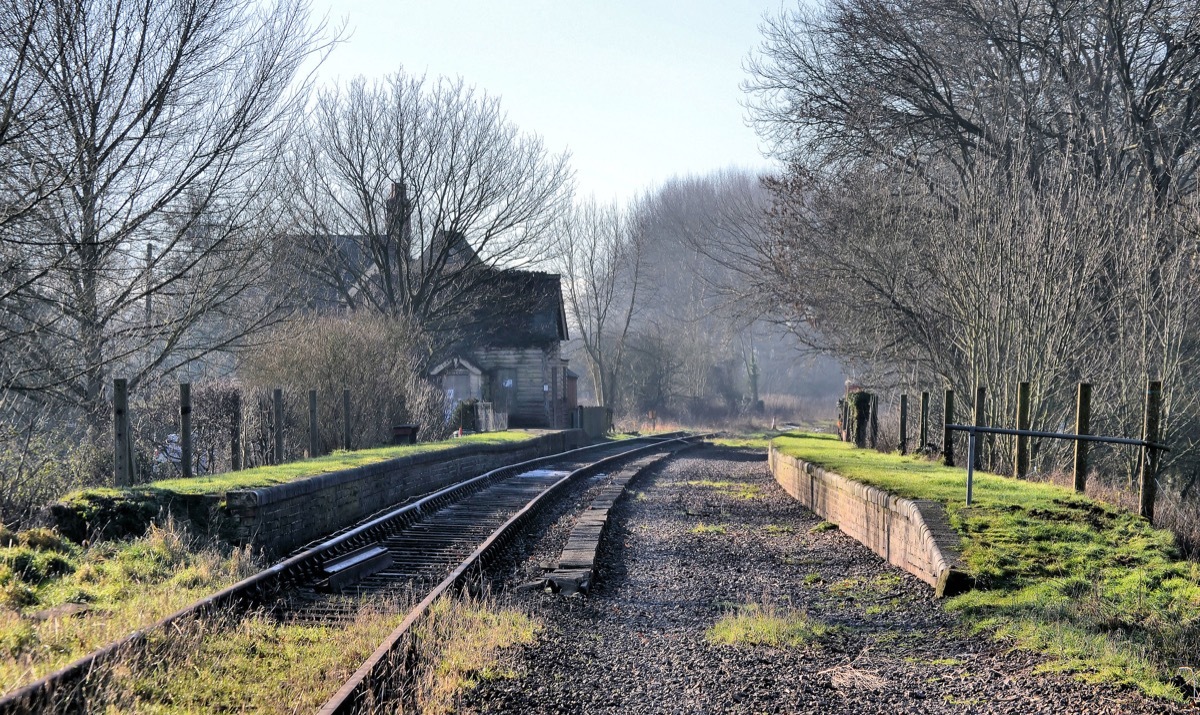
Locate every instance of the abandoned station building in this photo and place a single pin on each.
(504, 343)
(513, 360)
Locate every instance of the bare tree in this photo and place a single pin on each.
(989, 193)
(165, 121)
(408, 195)
(601, 256)
(918, 83)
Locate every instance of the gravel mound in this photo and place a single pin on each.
(709, 533)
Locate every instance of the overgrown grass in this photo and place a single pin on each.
(768, 625)
(1097, 589)
(59, 601)
(460, 643)
(337, 461)
(249, 663)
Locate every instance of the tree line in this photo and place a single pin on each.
(182, 200)
(987, 194)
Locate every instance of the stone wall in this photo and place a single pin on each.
(914, 535)
(281, 518)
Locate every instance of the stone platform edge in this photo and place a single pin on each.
(914, 535)
(281, 518)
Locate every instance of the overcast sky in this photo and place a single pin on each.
(636, 91)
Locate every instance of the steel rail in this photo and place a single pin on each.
(56, 687)
(352, 692)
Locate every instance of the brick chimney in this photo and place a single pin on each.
(398, 215)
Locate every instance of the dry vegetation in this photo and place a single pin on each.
(59, 601)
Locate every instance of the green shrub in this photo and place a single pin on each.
(107, 513)
(17, 595)
(42, 539)
(23, 562)
(7, 537)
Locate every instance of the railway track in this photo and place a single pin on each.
(429, 546)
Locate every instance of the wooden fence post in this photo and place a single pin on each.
(874, 421)
(980, 395)
(122, 454)
(1149, 485)
(235, 434)
(185, 429)
(947, 435)
(903, 424)
(924, 421)
(314, 436)
(346, 419)
(1083, 418)
(1021, 458)
(278, 425)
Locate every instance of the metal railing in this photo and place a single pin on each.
(973, 432)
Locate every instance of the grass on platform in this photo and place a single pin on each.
(337, 461)
(1098, 590)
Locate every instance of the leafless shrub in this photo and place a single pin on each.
(379, 359)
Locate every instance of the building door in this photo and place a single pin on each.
(504, 390)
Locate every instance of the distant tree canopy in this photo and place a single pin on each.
(656, 300)
(988, 193)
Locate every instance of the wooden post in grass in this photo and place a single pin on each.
(185, 429)
(1021, 458)
(874, 421)
(314, 436)
(980, 394)
(346, 419)
(1083, 418)
(122, 454)
(924, 421)
(278, 425)
(947, 435)
(903, 424)
(1149, 487)
(235, 433)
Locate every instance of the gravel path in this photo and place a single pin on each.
(637, 644)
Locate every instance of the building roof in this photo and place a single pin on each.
(522, 309)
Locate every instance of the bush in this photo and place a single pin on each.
(42, 539)
(380, 359)
(41, 463)
(106, 513)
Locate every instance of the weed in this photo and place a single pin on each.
(42, 539)
(777, 530)
(845, 586)
(737, 490)
(768, 625)
(238, 663)
(813, 579)
(703, 528)
(823, 527)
